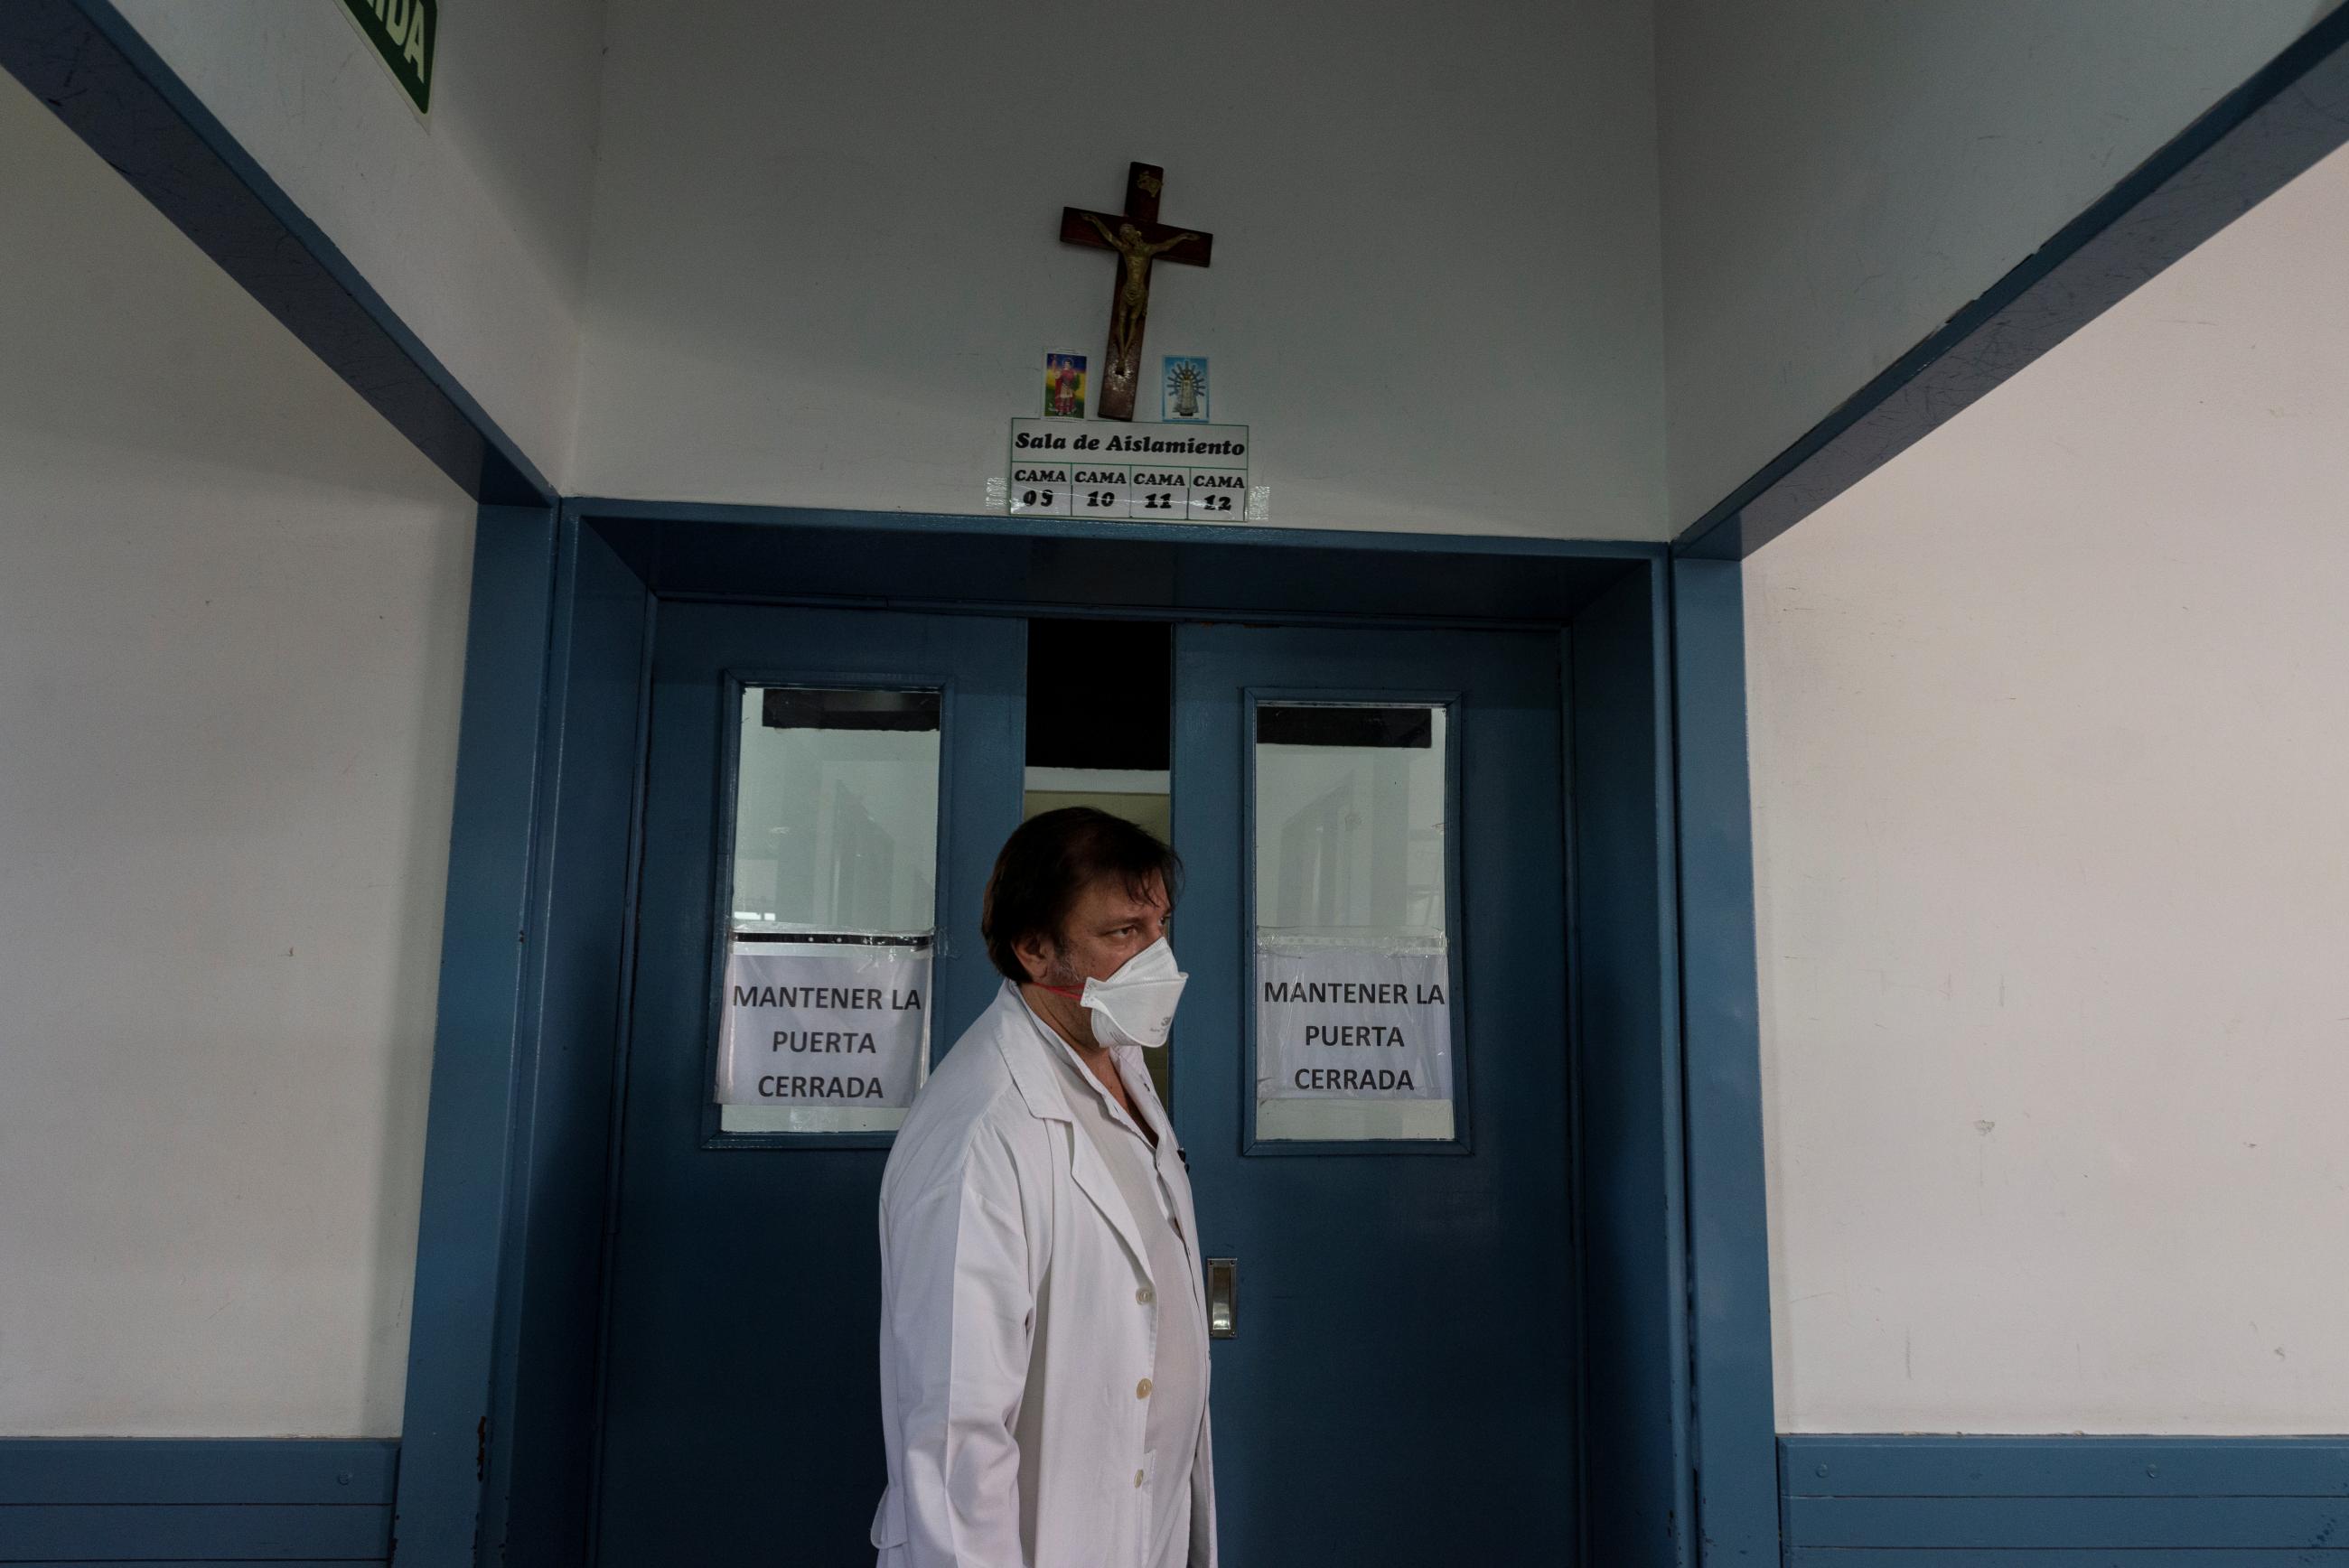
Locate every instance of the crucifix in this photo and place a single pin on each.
(1138, 239)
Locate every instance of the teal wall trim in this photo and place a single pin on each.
(1733, 1421)
(501, 1408)
(1018, 565)
(543, 1435)
(2064, 1502)
(2292, 113)
(485, 1017)
(165, 1501)
(1628, 1125)
(92, 69)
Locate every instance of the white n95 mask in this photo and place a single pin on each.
(1135, 1007)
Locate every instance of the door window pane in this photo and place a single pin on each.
(1352, 983)
(831, 908)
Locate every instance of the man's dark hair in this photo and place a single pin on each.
(1051, 859)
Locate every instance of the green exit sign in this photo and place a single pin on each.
(404, 32)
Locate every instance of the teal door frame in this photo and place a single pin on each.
(1665, 1117)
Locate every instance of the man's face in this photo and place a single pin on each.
(1107, 924)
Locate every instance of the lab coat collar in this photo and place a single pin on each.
(1025, 1042)
(1026, 1053)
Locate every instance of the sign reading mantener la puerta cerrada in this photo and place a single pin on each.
(823, 1024)
(1352, 1022)
(1104, 469)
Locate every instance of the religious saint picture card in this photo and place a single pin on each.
(1186, 386)
(1064, 385)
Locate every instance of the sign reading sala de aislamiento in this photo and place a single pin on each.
(1147, 473)
(404, 32)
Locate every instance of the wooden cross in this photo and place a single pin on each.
(1138, 239)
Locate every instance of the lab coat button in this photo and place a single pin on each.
(1141, 1389)
(1142, 1297)
(1137, 1478)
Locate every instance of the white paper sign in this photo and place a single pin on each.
(1352, 1023)
(823, 1024)
(1113, 469)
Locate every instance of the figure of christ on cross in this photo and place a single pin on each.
(1138, 239)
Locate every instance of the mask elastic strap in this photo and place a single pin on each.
(1073, 995)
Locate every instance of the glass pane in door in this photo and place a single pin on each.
(832, 909)
(1354, 1022)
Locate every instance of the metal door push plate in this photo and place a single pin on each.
(1222, 1298)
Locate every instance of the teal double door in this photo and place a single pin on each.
(1370, 1075)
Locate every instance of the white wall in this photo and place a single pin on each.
(471, 223)
(232, 626)
(1841, 175)
(826, 263)
(2051, 746)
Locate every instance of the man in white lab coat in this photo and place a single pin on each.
(1043, 1325)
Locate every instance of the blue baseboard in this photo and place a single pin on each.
(2063, 1502)
(219, 1501)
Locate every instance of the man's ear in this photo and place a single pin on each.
(1035, 951)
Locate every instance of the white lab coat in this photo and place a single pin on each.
(1011, 1339)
